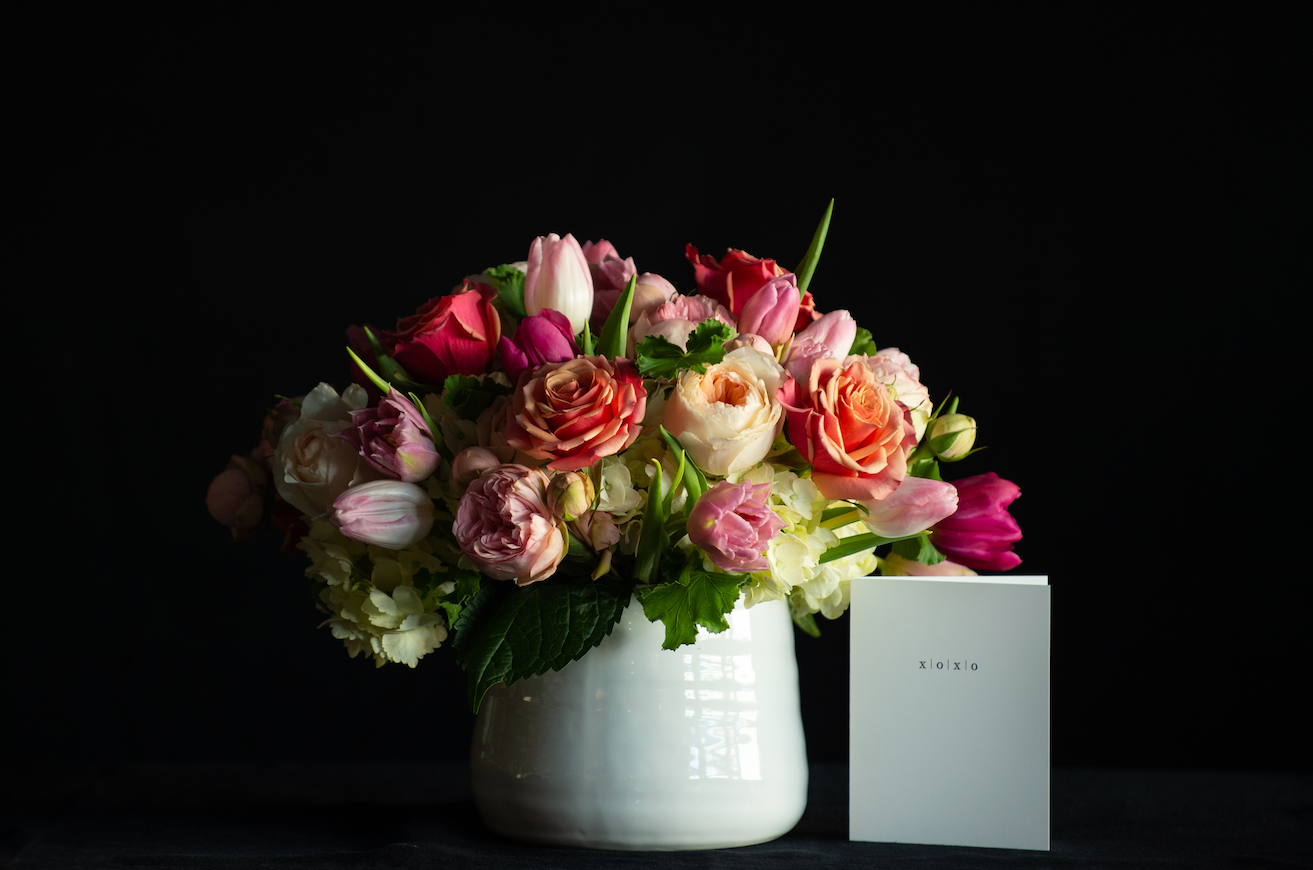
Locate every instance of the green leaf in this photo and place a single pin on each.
(809, 260)
(924, 465)
(863, 344)
(918, 550)
(696, 598)
(858, 543)
(369, 373)
(468, 396)
(616, 331)
(652, 538)
(509, 282)
(694, 480)
(658, 358)
(526, 631)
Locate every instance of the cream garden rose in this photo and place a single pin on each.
(728, 418)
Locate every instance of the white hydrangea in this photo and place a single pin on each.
(381, 615)
(796, 573)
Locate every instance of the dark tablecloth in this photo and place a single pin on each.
(366, 815)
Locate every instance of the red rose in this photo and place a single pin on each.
(448, 335)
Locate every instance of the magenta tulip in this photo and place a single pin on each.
(772, 311)
(540, 338)
(981, 532)
(733, 525)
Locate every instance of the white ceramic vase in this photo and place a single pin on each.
(636, 747)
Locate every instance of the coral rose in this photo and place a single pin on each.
(727, 419)
(504, 525)
(854, 433)
(575, 412)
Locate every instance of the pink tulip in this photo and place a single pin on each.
(733, 525)
(540, 338)
(831, 337)
(981, 532)
(391, 514)
(894, 565)
(504, 525)
(558, 277)
(393, 438)
(650, 291)
(916, 505)
(772, 311)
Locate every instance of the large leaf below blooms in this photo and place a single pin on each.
(507, 633)
(694, 598)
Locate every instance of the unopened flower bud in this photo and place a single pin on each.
(571, 494)
(952, 436)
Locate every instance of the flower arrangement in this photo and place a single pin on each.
(519, 459)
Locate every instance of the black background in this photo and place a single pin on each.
(1093, 248)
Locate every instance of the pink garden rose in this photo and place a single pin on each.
(649, 291)
(540, 338)
(609, 271)
(733, 525)
(981, 532)
(448, 335)
(504, 525)
(393, 438)
(386, 513)
(575, 412)
(854, 434)
(675, 320)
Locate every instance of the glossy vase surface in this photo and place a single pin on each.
(636, 747)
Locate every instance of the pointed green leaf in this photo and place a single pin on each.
(807, 622)
(616, 331)
(587, 343)
(858, 543)
(369, 373)
(809, 260)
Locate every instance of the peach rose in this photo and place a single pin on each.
(575, 412)
(850, 428)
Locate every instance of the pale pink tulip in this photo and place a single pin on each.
(916, 505)
(557, 277)
(386, 513)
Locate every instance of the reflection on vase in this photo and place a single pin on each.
(635, 747)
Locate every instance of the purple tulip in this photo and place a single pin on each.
(386, 513)
(393, 438)
(772, 311)
(916, 505)
(733, 525)
(980, 534)
(540, 338)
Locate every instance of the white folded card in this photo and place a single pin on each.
(949, 741)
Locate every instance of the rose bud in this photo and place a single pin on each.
(733, 525)
(915, 506)
(448, 335)
(473, 461)
(952, 436)
(772, 311)
(981, 532)
(505, 527)
(235, 497)
(391, 514)
(394, 438)
(570, 495)
(540, 338)
(558, 278)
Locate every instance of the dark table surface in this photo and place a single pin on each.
(369, 814)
